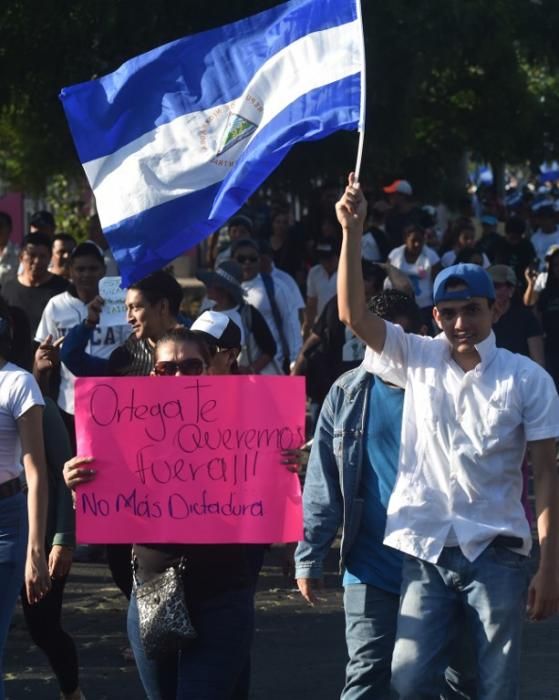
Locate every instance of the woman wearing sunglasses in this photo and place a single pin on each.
(219, 579)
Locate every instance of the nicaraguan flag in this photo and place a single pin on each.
(176, 140)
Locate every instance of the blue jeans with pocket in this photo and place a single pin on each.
(13, 549)
(491, 591)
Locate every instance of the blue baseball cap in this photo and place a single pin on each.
(475, 279)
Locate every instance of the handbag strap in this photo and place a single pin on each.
(269, 287)
(180, 567)
(134, 565)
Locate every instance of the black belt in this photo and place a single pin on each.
(10, 488)
(507, 541)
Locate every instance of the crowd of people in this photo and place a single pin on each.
(427, 448)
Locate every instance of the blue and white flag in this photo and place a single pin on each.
(177, 139)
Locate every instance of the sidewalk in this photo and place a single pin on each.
(298, 654)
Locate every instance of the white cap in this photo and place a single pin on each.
(218, 329)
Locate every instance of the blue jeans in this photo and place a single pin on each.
(13, 548)
(492, 593)
(212, 666)
(371, 617)
(370, 632)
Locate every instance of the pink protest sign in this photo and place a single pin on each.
(189, 459)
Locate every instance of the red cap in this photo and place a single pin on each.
(400, 186)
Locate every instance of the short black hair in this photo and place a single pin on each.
(373, 272)
(42, 218)
(241, 220)
(466, 255)
(63, 237)
(37, 239)
(185, 335)
(89, 249)
(160, 285)
(5, 219)
(392, 304)
(412, 228)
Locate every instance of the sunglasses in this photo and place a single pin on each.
(192, 366)
(242, 259)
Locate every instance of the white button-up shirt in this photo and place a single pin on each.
(257, 295)
(464, 437)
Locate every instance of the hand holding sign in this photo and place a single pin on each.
(94, 309)
(77, 471)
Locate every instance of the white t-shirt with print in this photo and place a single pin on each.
(18, 393)
(353, 349)
(64, 311)
(419, 272)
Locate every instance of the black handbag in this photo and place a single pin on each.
(165, 625)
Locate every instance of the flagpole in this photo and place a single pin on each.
(363, 103)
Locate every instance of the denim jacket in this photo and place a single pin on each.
(331, 494)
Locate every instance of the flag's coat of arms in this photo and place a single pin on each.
(237, 129)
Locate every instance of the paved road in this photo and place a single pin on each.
(298, 652)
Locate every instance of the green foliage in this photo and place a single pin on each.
(69, 206)
(444, 77)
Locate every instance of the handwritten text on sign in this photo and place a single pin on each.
(114, 309)
(189, 459)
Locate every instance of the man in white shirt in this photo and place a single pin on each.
(321, 282)
(66, 310)
(470, 410)
(285, 279)
(272, 299)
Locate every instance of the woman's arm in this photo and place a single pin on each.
(536, 349)
(310, 315)
(299, 366)
(73, 353)
(61, 522)
(30, 429)
(398, 279)
(530, 297)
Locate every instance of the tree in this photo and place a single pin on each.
(444, 76)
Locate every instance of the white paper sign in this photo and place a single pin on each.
(114, 309)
